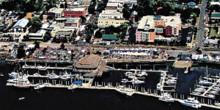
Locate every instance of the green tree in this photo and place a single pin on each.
(47, 36)
(37, 44)
(91, 8)
(35, 24)
(126, 12)
(62, 46)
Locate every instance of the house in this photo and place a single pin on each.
(20, 25)
(110, 18)
(75, 12)
(55, 12)
(63, 36)
(84, 2)
(72, 23)
(39, 35)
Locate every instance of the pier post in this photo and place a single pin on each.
(153, 66)
(140, 66)
(126, 66)
(167, 68)
(35, 64)
(45, 64)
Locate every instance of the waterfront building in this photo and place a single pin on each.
(110, 18)
(151, 28)
(75, 12)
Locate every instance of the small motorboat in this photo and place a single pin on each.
(21, 98)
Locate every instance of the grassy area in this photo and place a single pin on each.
(213, 33)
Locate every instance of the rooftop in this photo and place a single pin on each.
(22, 22)
(90, 62)
(72, 20)
(112, 4)
(109, 37)
(75, 9)
(55, 10)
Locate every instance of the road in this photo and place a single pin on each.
(201, 25)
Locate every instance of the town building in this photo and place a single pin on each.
(75, 12)
(111, 6)
(20, 25)
(39, 35)
(63, 36)
(123, 1)
(72, 23)
(110, 18)
(153, 28)
(55, 12)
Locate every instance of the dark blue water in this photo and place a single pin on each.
(62, 99)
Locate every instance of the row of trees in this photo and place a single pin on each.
(27, 5)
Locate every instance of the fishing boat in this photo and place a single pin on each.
(191, 102)
(166, 97)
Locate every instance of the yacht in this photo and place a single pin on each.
(166, 97)
(191, 102)
(130, 75)
(124, 80)
(42, 68)
(36, 74)
(211, 96)
(136, 81)
(141, 74)
(126, 91)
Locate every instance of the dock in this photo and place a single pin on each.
(183, 64)
(213, 85)
(88, 86)
(48, 67)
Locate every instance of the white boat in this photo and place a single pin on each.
(126, 91)
(37, 87)
(217, 104)
(42, 68)
(124, 80)
(13, 75)
(191, 102)
(66, 76)
(53, 76)
(136, 81)
(36, 74)
(170, 82)
(1, 75)
(130, 75)
(159, 86)
(141, 74)
(71, 87)
(21, 98)
(211, 96)
(166, 97)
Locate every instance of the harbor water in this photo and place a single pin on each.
(82, 99)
